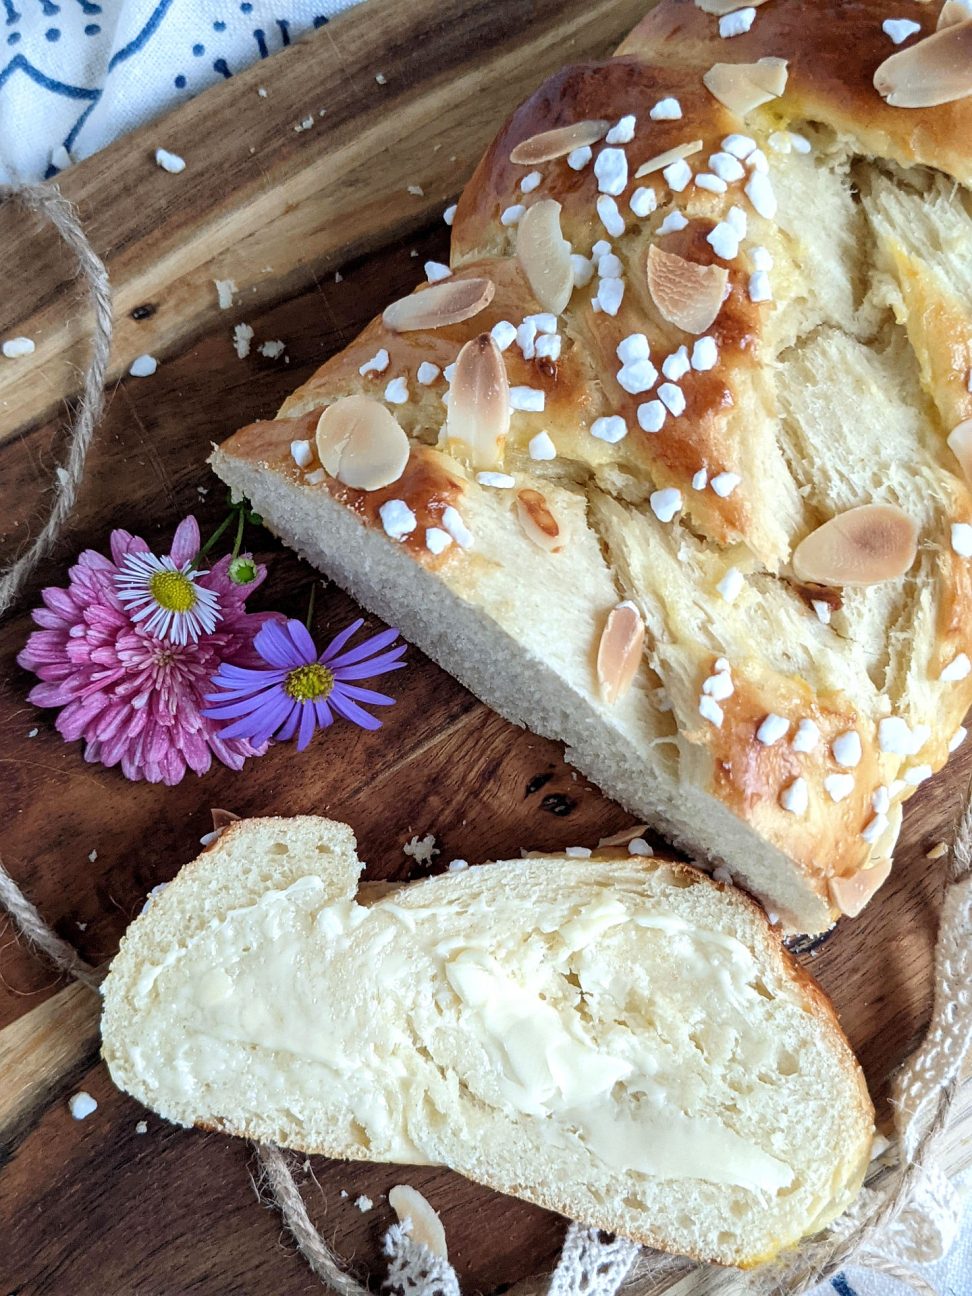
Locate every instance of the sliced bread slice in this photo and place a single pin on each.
(622, 1040)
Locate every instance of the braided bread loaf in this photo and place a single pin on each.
(671, 465)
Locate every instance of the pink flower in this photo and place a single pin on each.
(133, 697)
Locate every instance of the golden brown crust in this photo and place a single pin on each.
(833, 50)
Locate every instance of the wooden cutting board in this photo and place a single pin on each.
(315, 181)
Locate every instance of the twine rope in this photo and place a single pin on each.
(913, 1220)
(286, 1195)
(47, 201)
(36, 932)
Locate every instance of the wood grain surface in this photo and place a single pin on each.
(96, 1208)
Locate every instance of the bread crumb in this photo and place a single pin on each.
(170, 162)
(13, 348)
(380, 78)
(364, 1204)
(937, 851)
(416, 191)
(344, 1192)
(242, 337)
(338, 277)
(32, 733)
(262, 91)
(225, 288)
(143, 366)
(273, 350)
(92, 856)
(81, 1105)
(421, 849)
(141, 1127)
(306, 124)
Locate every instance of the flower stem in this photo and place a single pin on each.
(215, 536)
(310, 606)
(239, 532)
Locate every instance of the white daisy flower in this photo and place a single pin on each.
(166, 598)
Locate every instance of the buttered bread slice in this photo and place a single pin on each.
(671, 466)
(621, 1040)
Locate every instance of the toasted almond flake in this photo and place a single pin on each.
(538, 522)
(662, 160)
(619, 651)
(479, 406)
(544, 255)
(559, 142)
(960, 444)
(722, 7)
(865, 545)
(851, 894)
(624, 836)
(936, 70)
(938, 851)
(361, 443)
(686, 294)
(741, 87)
(409, 1204)
(952, 12)
(449, 302)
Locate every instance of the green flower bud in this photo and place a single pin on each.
(243, 570)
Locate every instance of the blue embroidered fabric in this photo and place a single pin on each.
(75, 74)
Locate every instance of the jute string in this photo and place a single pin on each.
(47, 201)
(912, 1218)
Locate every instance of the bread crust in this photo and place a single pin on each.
(845, 676)
(833, 50)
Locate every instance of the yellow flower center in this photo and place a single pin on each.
(173, 590)
(309, 683)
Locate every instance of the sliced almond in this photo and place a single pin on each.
(741, 87)
(688, 295)
(851, 894)
(863, 546)
(935, 70)
(544, 254)
(619, 651)
(479, 405)
(662, 160)
(409, 1204)
(449, 302)
(624, 836)
(952, 12)
(558, 143)
(361, 443)
(960, 444)
(722, 7)
(537, 521)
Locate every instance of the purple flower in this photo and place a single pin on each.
(299, 691)
(127, 689)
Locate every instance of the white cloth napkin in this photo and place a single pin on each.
(76, 74)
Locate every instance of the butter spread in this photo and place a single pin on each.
(372, 1007)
